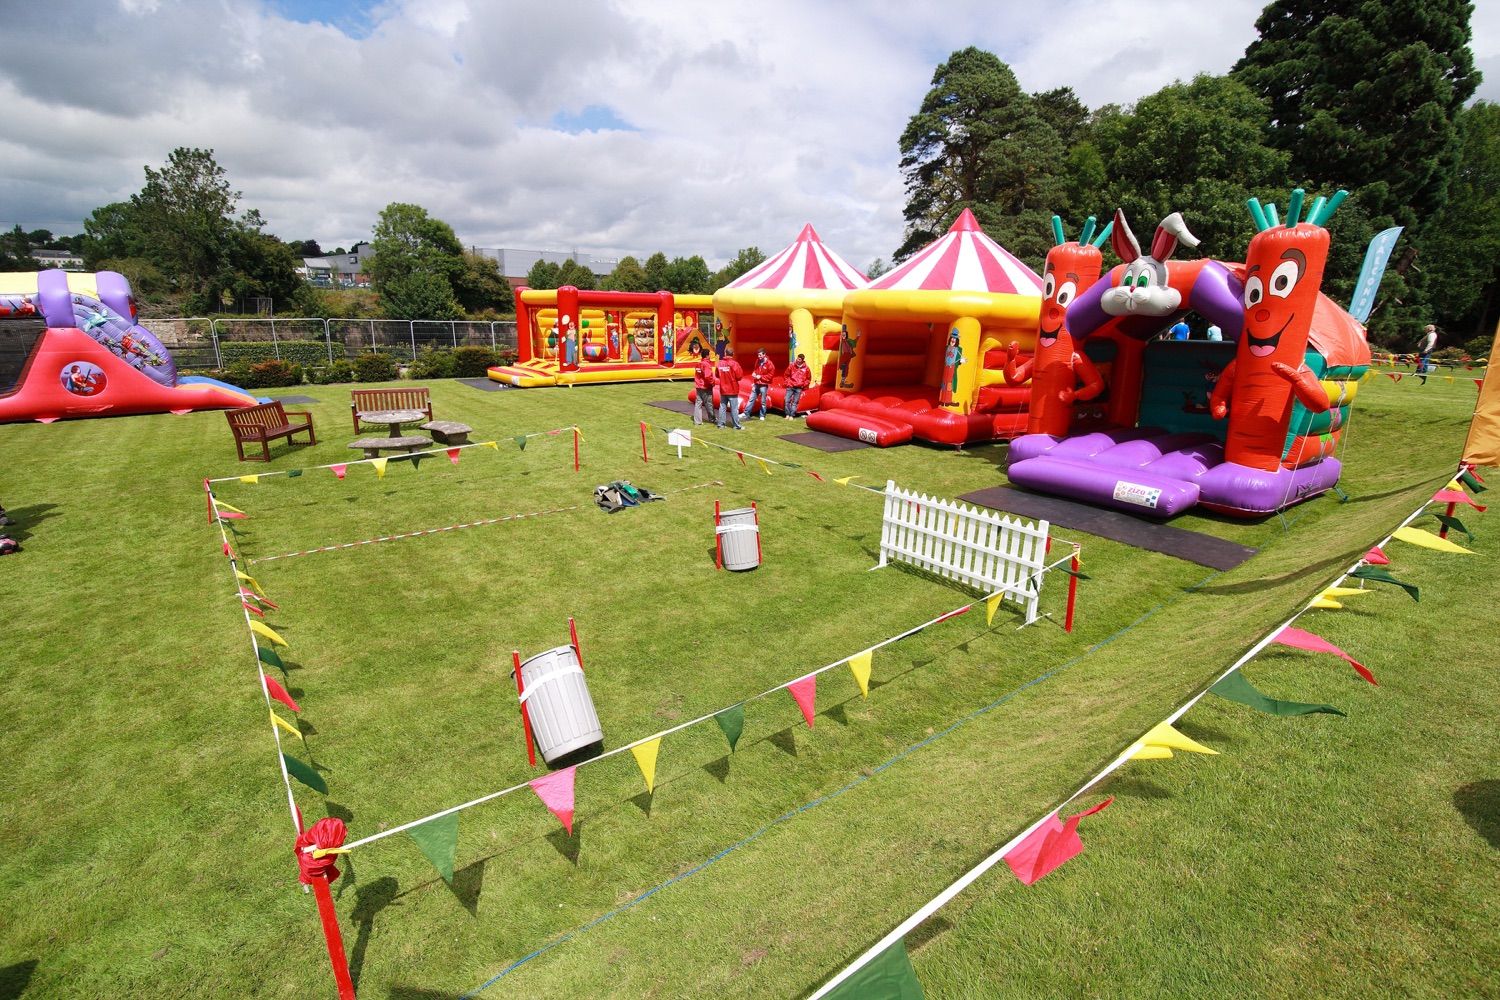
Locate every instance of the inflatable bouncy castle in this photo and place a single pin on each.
(70, 347)
(787, 305)
(923, 349)
(1246, 426)
(569, 335)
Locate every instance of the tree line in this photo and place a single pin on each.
(1371, 97)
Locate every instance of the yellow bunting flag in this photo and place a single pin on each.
(859, 666)
(1163, 735)
(1337, 593)
(489, 444)
(991, 605)
(1453, 484)
(1427, 540)
(846, 480)
(1151, 753)
(323, 852)
(267, 632)
(279, 721)
(645, 759)
(763, 466)
(379, 465)
(1325, 603)
(251, 480)
(221, 505)
(247, 578)
(1448, 378)
(580, 434)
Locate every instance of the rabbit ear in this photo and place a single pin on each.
(1171, 230)
(1123, 240)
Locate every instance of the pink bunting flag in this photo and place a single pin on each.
(1456, 496)
(954, 614)
(1393, 376)
(741, 454)
(339, 470)
(1298, 639)
(1375, 557)
(227, 551)
(231, 515)
(453, 455)
(252, 608)
(556, 792)
(265, 602)
(278, 692)
(1048, 846)
(815, 475)
(805, 691)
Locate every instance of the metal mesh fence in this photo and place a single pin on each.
(198, 342)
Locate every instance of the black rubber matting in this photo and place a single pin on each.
(681, 406)
(823, 442)
(485, 384)
(294, 400)
(1117, 526)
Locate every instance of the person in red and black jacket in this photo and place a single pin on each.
(729, 374)
(798, 378)
(704, 379)
(760, 388)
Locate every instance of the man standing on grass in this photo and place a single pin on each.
(1424, 351)
(760, 388)
(704, 378)
(798, 378)
(729, 374)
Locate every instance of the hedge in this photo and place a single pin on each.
(300, 352)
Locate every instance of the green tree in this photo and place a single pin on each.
(978, 141)
(628, 276)
(39, 237)
(113, 232)
(1068, 116)
(1364, 95)
(656, 272)
(414, 261)
(480, 285)
(544, 274)
(876, 268)
(570, 272)
(743, 263)
(15, 252)
(689, 276)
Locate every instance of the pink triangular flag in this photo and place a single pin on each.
(278, 692)
(453, 455)
(1393, 376)
(805, 691)
(250, 595)
(556, 792)
(1441, 496)
(231, 515)
(1298, 639)
(339, 470)
(1375, 557)
(1479, 384)
(1048, 846)
(252, 608)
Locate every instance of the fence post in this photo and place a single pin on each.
(328, 341)
(372, 335)
(411, 326)
(275, 344)
(213, 331)
(453, 333)
(492, 336)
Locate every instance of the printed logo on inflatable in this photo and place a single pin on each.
(83, 379)
(1144, 496)
(868, 436)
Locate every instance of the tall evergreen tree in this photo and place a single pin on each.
(1460, 261)
(1363, 94)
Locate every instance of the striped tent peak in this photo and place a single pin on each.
(963, 260)
(807, 263)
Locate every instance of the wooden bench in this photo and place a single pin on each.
(264, 423)
(372, 446)
(368, 400)
(448, 431)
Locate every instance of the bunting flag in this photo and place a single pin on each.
(1376, 557)
(278, 692)
(1151, 753)
(304, 773)
(1453, 524)
(250, 480)
(1471, 479)
(556, 792)
(1427, 540)
(260, 599)
(763, 466)
(1456, 496)
(1298, 639)
(1394, 376)
(493, 445)
(741, 456)
(1384, 576)
(1235, 686)
(1335, 593)
(235, 510)
(453, 454)
(1325, 603)
(991, 605)
(520, 440)
(252, 609)
(415, 460)
(845, 481)
(225, 515)
(379, 466)
(815, 475)
(281, 723)
(732, 722)
(228, 551)
(265, 630)
(293, 473)
(339, 470)
(859, 666)
(244, 577)
(805, 693)
(645, 759)
(1048, 846)
(1167, 738)
(269, 657)
(438, 840)
(887, 976)
(577, 433)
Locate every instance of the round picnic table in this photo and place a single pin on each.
(393, 418)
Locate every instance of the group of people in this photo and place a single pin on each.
(726, 373)
(7, 543)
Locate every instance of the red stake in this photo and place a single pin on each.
(645, 456)
(1072, 592)
(573, 634)
(515, 658)
(208, 498)
(718, 540)
(330, 919)
(1451, 508)
(756, 509)
(575, 449)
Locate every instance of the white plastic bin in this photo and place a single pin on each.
(563, 721)
(739, 539)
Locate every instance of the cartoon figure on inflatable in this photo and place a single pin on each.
(93, 358)
(1264, 437)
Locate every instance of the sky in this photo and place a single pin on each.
(604, 127)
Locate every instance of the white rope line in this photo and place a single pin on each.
(963, 881)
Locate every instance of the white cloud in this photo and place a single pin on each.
(745, 120)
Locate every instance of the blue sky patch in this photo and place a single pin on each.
(593, 118)
(355, 18)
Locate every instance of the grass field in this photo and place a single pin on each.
(145, 846)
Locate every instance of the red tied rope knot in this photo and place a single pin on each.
(325, 833)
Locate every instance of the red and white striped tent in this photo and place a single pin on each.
(807, 263)
(963, 260)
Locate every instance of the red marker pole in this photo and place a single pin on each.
(575, 449)
(208, 499)
(331, 935)
(573, 634)
(1451, 508)
(645, 457)
(718, 540)
(1072, 592)
(756, 509)
(515, 658)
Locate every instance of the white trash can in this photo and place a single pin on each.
(563, 721)
(739, 539)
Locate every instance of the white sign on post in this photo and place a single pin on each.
(679, 439)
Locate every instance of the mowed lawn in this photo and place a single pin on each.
(145, 842)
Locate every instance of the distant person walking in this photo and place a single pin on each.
(729, 374)
(1424, 351)
(704, 379)
(1180, 331)
(760, 384)
(1214, 333)
(798, 378)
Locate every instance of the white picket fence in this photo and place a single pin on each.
(979, 548)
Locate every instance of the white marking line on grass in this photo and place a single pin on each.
(965, 880)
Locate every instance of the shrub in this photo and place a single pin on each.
(236, 374)
(432, 363)
(374, 367)
(339, 371)
(274, 374)
(473, 362)
(297, 352)
(507, 356)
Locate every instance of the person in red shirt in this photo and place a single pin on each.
(798, 377)
(760, 387)
(729, 374)
(704, 379)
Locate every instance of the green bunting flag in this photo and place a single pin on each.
(1471, 481)
(521, 441)
(732, 722)
(438, 839)
(1383, 576)
(305, 774)
(293, 473)
(888, 976)
(1237, 687)
(1453, 524)
(267, 655)
(416, 461)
